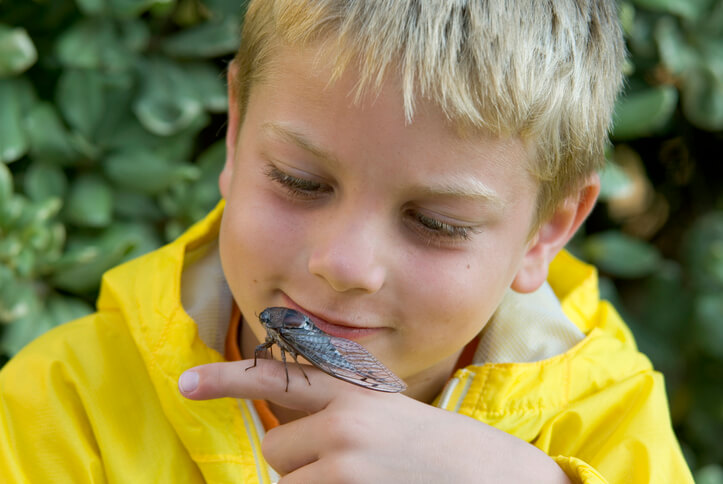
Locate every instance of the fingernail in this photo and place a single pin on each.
(188, 381)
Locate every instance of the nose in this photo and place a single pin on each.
(348, 255)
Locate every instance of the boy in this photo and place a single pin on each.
(405, 173)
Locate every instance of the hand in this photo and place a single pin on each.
(352, 434)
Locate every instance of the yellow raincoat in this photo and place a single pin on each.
(96, 400)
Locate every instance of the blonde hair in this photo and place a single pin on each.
(547, 71)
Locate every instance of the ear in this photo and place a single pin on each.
(554, 234)
(224, 179)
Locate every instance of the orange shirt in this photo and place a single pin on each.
(233, 353)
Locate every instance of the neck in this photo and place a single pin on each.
(426, 385)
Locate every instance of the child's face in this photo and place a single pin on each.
(401, 237)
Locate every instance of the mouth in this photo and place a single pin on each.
(334, 327)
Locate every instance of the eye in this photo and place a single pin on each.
(297, 187)
(435, 231)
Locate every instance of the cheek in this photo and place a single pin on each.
(454, 298)
(247, 243)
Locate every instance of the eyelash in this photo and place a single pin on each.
(297, 187)
(440, 231)
(431, 229)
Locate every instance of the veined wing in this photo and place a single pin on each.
(343, 359)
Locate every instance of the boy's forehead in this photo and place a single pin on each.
(304, 76)
(313, 71)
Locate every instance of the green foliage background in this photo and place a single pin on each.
(112, 116)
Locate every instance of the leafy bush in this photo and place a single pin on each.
(110, 126)
(111, 114)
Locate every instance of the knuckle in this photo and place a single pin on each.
(342, 470)
(269, 443)
(349, 430)
(217, 379)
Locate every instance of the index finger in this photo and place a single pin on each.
(266, 380)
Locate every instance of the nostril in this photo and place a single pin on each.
(346, 271)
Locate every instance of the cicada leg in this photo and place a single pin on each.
(262, 347)
(286, 368)
(301, 367)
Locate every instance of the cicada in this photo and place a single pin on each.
(294, 333)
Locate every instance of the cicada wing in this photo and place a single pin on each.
(372, 372)
(343, 359)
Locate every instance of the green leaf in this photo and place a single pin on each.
(130, 205)
(180, 146)
(168, 102)
(643, 113)
(49, 139)
(62, 309)
(710, 474)
(703, 99)
(145, 172)
(13, 141)
(703, 251)
(42, 211)
(79, 270)
(10, 247)
(145, 239)
(136, 35)
(133, 8)
(626, 14)
(227, 8)
(44, 180)
(621, 255)
(614, 182)
(90, 202)
(209, 84)
(6, 184)
(17, 299)
(667, 305)
(688, 9)
(81, 99)
(119, 91)
(23, 331)
(24, 93)
(93, 43)
(17, 51)
(675, 51)
(51, 249)
(11, 210)
(709, 323)
(709, 26)
(204, 193)
(211, 39)
(641, 39)
(92, 7)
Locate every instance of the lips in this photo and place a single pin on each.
(335, 328)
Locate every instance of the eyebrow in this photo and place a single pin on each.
(299, 140)
(465, 187)
(452, 186)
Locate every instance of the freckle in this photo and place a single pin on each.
(256, 282)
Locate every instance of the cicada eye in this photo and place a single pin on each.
(265, 316)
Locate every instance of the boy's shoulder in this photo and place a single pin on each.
(575, 284)
(594, 351)
(77, 351)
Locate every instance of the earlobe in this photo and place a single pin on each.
(224, 180)
(554, 234)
